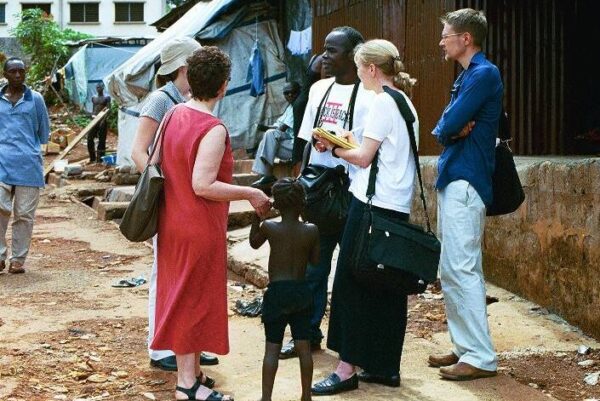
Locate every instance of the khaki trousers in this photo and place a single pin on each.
(21, 202)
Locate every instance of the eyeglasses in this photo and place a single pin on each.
(444, 37)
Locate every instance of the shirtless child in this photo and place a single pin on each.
(288, 298)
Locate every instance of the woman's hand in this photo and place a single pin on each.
(349, 136)
(322, 144)
(260, 202)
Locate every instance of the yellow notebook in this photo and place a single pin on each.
(336, 140)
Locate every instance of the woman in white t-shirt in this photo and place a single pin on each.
(367, 328)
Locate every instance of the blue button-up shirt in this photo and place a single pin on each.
(23, 128)
(476, 96)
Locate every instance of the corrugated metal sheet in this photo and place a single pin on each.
(526, 41)
(425, 61)
(364, 15)
(388, 19)
(549, 88)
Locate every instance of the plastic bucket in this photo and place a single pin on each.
(59, 165)
(109, 160)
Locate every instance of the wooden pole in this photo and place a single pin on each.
(77, 139)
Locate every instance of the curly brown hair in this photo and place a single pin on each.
(208, 69)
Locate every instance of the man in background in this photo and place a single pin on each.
(100, 102)
(24, 126)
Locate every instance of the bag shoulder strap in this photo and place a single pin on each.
(409, 119)
(169, 95)
(160, 137)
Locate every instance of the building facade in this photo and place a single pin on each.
(116, 18)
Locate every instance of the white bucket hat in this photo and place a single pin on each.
(174, 54)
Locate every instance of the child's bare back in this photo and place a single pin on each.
(293, 245)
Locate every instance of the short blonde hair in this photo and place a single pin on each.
(384, 55)
(468, 20)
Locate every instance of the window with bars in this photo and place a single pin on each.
(2, 13)
(129, 12)
(43, 6)
(84, 12)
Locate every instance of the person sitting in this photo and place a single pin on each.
(277, 142)
(288, 298)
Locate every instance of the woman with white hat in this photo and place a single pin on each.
(173, 88)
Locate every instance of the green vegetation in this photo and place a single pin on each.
(113, 117)
(81, 120)
(42, 38)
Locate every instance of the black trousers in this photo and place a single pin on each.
(366, 327)
(100, 131)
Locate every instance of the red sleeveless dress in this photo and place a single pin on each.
(191, 300)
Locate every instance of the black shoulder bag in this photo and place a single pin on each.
(327, 195)
(390, 255)
(506, 185)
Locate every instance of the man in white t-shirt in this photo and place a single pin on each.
(335, 95)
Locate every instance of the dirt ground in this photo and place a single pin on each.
(67, 334)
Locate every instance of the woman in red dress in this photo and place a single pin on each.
(191, 304)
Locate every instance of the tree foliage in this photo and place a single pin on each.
(41, 38)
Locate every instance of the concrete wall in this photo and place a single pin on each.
(61, 10)
(11, 48)
(548, 251)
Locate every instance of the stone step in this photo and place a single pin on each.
(55, 180)
(242, 166)
(119, 194)
(245, 179)
(111, 210)
(241, 212)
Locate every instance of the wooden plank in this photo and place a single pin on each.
(77, 139)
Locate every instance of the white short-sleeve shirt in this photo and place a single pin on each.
(396, 176)
(335, 116)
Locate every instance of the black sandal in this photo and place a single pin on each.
(208, 381)
(191, 393)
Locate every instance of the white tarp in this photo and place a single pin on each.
(240, 111)
(131, 82)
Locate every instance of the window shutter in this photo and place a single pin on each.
(44, 7)
(91, 12)
(77, 12)
(121, 12)
(137, 12)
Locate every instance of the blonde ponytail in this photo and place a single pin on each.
(386, 57)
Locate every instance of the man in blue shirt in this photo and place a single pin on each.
(24, 126)
(467, 130)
